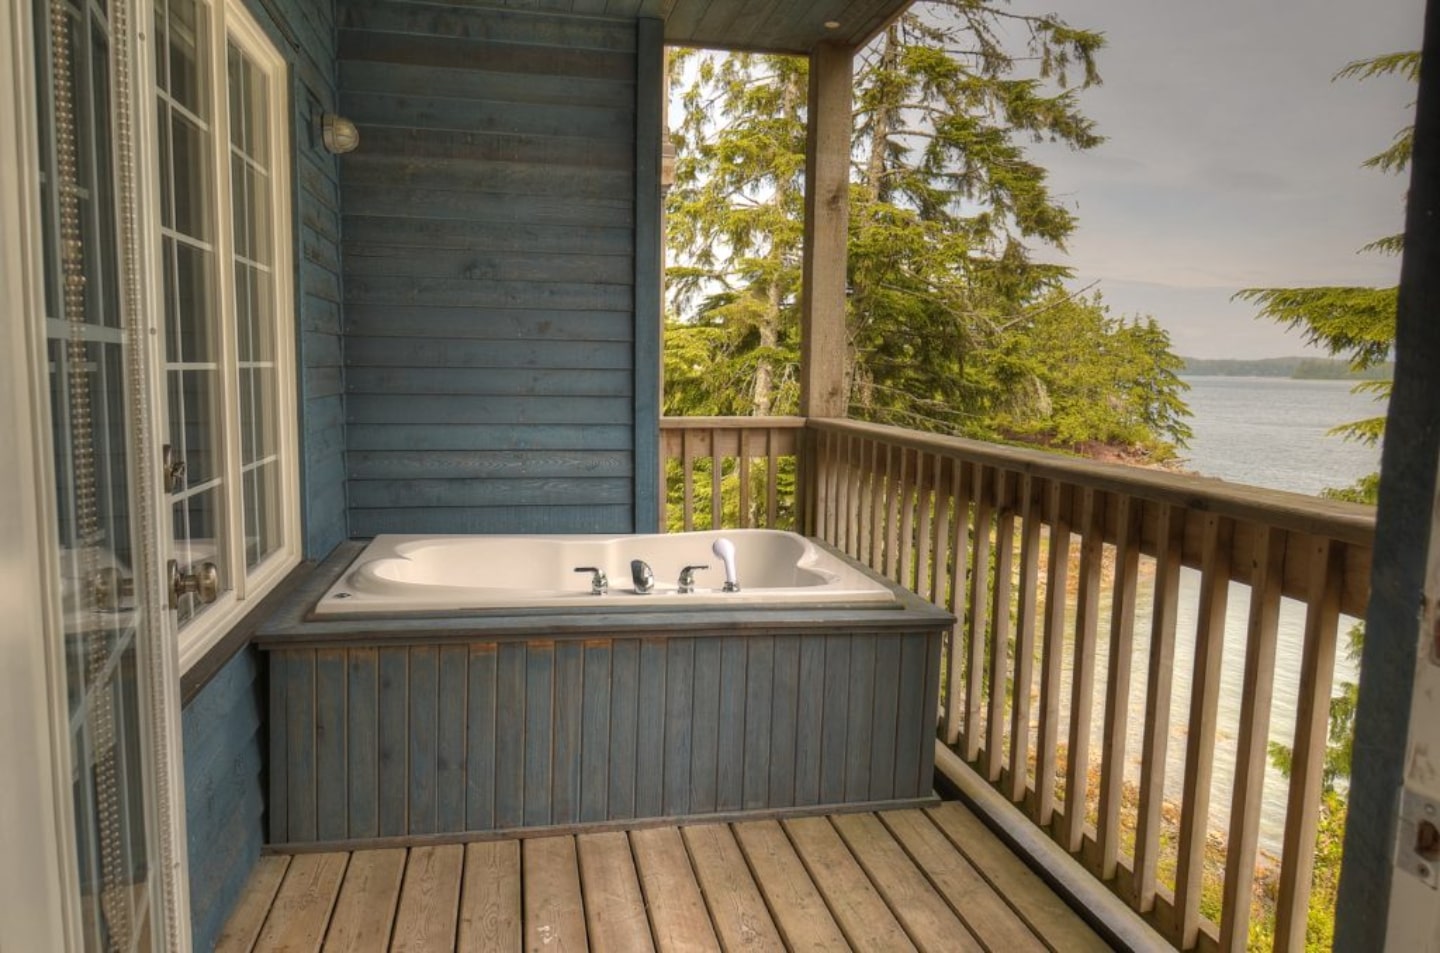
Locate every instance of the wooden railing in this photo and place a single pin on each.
(1057, 656)
(739, 471)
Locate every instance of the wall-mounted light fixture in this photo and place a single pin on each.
(339, 134)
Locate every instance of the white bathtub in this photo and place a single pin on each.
(398, 574)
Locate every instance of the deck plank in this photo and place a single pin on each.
(972, 898)
(250, 911)
(678, 919)
(490, 897)
(554, 908)
(1059, 927)
(800, 912)
(926, 916)
(301, 910)
(429, 901)
(736, 907)
(614, 907)
(369, 894)
(857, 907)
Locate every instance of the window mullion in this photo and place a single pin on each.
(225, 307)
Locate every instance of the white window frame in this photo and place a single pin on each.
(229, 20)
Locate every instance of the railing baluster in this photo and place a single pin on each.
(961, 480)
(1000, 592)
(1317, 670)
(908, 480)
(717, 481)
(1200, 741)
(1117, 688)
(923, 568)
(772, 483)
(978, 621)
(1052, 659)
(894, 478)
(1027, 598)
(687, 469)
(940, 531)
(1154, 744)
(1253, 752)
(1082, 684)
(880, 475)
(743, 465)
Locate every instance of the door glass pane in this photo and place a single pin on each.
(88, 391)
(194, 381)
(250, 194)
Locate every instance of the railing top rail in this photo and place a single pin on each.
(732, 423)
(1350, 523)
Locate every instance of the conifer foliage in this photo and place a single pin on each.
(950, 312)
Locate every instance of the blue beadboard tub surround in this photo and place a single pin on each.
(396, 728)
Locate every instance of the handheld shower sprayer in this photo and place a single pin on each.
(724, 550)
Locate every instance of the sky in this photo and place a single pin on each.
(1231, 159)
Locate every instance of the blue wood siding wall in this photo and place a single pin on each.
(224, 792)
(445, 738)
(489, 269)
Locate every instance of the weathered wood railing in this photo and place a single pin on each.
(995, 533)
(747, 465)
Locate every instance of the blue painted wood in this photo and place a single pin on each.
(300, 744)
(565, 757)
(491, 222)
(383, 464)
(730, 776)
(450, 758)
(887, 701)
(480, 738)
(859, 718)
(679, 691)
(649, 205)
(835, 718)
(911, 737)
(332, 820)
(759, 700)
(624, 724)
(929, 714)
(539, 740)
(510, 735)
(809, 712)
(705, 727)
(784, 712)
(650, 730)
(595, 733)
(223, 742)
(394, 710)
(363, 742)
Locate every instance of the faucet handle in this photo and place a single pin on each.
(599, 584)
(687, 578)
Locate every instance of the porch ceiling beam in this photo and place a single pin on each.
(827, 210)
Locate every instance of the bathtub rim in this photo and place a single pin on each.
(295, 625)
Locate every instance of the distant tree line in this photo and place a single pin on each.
(1297, 368)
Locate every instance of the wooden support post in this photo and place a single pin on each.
(649, 209)
(827, 210)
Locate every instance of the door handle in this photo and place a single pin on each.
(202, 581)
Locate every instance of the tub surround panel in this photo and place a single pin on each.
(694, 739)
(490, 240)
(405, 727)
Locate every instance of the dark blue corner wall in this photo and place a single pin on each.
(489, 270)
(224, 792)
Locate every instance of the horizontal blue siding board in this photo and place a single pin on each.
(416, 231)
(366, 288)
(467, 54)
(486, 492)
(511, 178)
(463, 382)
(494, 465)
(497, 437)
(532, 89)
(402, 261)
(399, 408)
(500, 26)
(478, 354)
(485, 115)
(512, 519)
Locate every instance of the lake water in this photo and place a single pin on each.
(1264, 432)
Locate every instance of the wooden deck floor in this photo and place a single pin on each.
(935, 879)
